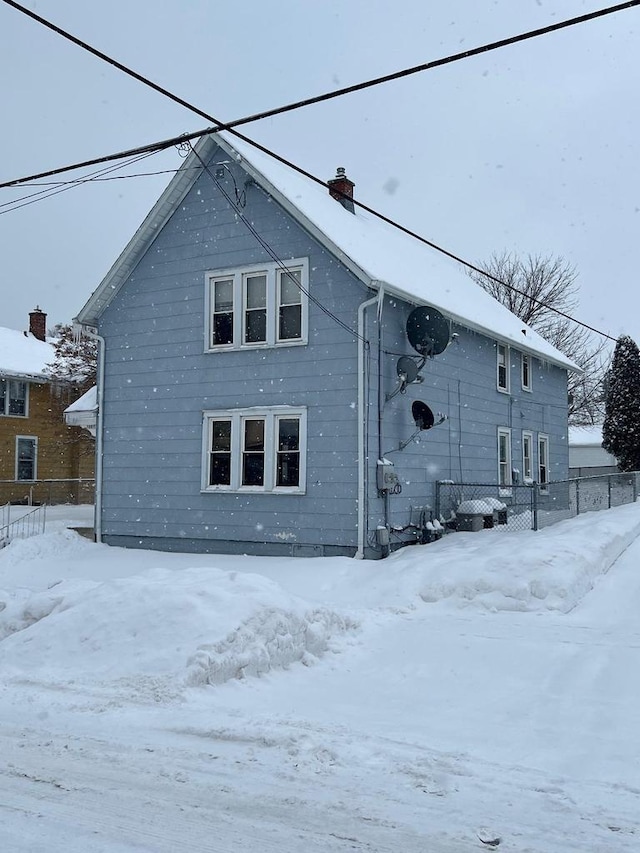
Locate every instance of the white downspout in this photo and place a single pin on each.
(362, 424)
(90, 332)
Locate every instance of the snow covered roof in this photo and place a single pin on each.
(83, 412)
(23, 356)
(380, 255)
(87, 403)
(585, 436)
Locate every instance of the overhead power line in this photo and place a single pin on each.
(326, 96)
(48, 190)
(219, 126)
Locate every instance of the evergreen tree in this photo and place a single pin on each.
(621, 429)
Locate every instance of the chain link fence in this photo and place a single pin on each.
(51, 492)
(477, 506)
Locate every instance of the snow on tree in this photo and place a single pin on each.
(75, 359)
(621, 428)
(72, 372)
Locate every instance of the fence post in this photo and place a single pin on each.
(534, 506)
(609, 489)
(635, 486)
(437, 498)
(577, 497)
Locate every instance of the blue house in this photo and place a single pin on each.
(266, 381)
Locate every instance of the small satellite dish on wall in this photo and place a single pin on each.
(428, 331)
(407, 369)
(422, 415)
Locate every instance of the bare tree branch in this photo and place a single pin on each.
(534, 288)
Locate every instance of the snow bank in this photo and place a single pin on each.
(551, 569)
(194, 625)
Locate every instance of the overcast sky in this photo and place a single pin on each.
(532, 149)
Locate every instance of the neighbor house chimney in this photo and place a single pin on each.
(38, 324)
(341, 188)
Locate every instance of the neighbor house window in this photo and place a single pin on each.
(527, 457)
(525, 365)
(543, 462)
(504, 456)
(502, 352)
(26, 457)
(13, 397)
(260, 450)
(257, 306)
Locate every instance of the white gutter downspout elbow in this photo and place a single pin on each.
(90, 332)
(362, 421)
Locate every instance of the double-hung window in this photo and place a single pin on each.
(504, 457)
(13, 397)
(527, 457)
(260, 450)
(543, 462)
(26, 457)
(258, 306)
(525, 371)
(502, 367)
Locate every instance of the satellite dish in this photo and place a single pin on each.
(428, 331)
(407, 369)
(422, 415)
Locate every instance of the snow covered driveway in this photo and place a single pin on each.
(453, 694)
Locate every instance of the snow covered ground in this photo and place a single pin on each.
(483, 687)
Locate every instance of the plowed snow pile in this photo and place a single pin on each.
(194, 625)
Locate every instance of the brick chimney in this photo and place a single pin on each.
(38, 324)
(341, 188)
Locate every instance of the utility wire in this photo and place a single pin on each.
(327, 96)
(60, 187)
(98, 179)
(229, 126)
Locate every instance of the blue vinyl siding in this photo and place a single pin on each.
(159, 380)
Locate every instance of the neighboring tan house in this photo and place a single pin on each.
(41, 459)
(266, 385)
(587, 456)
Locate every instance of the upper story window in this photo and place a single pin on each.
(502, 367)
(258, 306)
(13, 397)
(525, 371)
(255, 450)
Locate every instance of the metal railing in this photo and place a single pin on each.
(52, 492)
(18, 522)
(472, 506)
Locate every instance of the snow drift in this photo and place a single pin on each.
(196, 626)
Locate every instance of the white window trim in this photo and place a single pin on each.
(505, 488)
(527, 479)
(271, 415)
(507, 355)
(6, 413)
(525, 358)
(33, 438)
(543, 439)
(238, 275)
